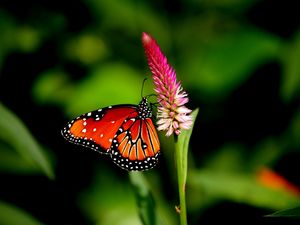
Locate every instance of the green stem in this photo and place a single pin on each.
(181, 159)
(181, 164)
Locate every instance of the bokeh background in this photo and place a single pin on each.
(238, 60)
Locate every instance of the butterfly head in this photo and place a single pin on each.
(144, 109)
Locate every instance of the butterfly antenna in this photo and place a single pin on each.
(147, 96)
(142, 90)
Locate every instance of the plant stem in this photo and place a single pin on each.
(181, 165)
(181, 159)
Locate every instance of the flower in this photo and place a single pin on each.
(172, 113)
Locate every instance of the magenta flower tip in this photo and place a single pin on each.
(146, 38)
(172, 113)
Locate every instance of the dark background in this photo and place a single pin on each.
(239, 62)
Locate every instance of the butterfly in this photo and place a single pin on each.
(124, 132)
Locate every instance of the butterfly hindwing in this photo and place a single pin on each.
(136, 145)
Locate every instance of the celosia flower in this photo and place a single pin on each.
(171, 113)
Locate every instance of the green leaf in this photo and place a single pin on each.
(228, 6)
(28, 39)
(267, 152)
(238, 187)
(131, 17)
(109, 199)
(229, 158)
(109, 84)
(52, 87)
(14, 133)
(12, 215)
(291, 70)
(152, 206)
(86, 48)
(223, 63)
(181, 158)
(183, 146)
(12, 162)
(293, 212)
(145, 201)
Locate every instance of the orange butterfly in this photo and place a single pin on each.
(125, 132)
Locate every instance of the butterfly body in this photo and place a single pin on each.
(125, 132)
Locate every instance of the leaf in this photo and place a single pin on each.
(109, 84)
(181, 158)
(291, 70)
(131, 17)
(86, 48)
(28, 39)
(238, 187)
(218, 67)
(152, 206)
(229, 158)
(145, 201)
(52, 87)
(109, 199)
(183, 146)
(12, 215)
(293, 212)
(14, 132)
(267, 152)
(12, 162)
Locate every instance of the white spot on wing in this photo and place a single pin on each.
(83, 130)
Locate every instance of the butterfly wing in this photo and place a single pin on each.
(136, 145)
(97, 129)
(125, 132)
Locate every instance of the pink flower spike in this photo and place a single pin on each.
(172, 113)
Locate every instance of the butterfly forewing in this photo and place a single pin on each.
(97, 129)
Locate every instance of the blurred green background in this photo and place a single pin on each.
(239, 62)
